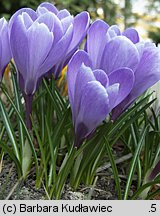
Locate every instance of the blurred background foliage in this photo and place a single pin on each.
(144, 15)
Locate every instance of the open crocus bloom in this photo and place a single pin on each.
(93, 93)
(5, 52)
(113, 50)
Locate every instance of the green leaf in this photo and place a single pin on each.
(153, 194)
(10, 113)
(144, 187)
(13, 157)
(19, 108)
(27, 158)
(134, 163)
(56, 100)
(28, 136)
(53, 157)
(130, 115)
(89, 157)
(10, 130)
(135, 135)
(64, 172)
(42, 155)
(60, 128)
(124, 125)
(114, 168)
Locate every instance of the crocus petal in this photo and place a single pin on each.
(93, 108)
(125, 78)
(67, 25)
(80, 27)
(132, 34)
(113, 31)
(29, 11)
(27, 20)
(5, 51)
(119, 52)
(148, 71)
(113, 91)
(84, 76)
(2, 23)
(63, 13)
(66, 22)
(96, 41)
(39, 44)
(78, 58)
(58, 51)
(59, 27)
(102, 77)
(19, 45)
(50, 7)
(140, 48)
(53, 23)
(48, 19)
(1, 55)
(58, 30)
(41, 10)
(146, 75)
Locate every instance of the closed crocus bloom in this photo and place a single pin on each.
(38, 42)
(80, 26)
(93, 93)
(113, 50)
(5, 52)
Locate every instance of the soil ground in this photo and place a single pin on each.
(10, 188)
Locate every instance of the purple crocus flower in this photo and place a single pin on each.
(115, 69)
(40, 41)
(93, 93)
(5, 52)
(113, 49)
(80, 26)
(37, 43)
(146, 75)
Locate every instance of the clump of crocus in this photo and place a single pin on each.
(5, 52)
(40, 41)
(126, 66)
(93, 93)
(113, 49)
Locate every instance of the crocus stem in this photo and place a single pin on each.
(28, 102)
(154, 172)
(77, 143)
